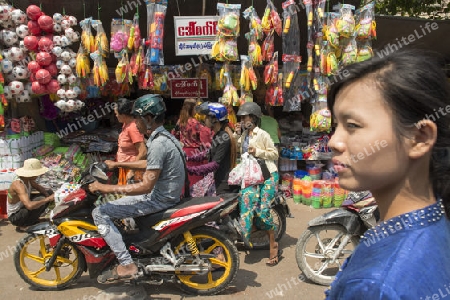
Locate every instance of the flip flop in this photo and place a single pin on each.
(111, 275)
(273, 261)
(21, 229)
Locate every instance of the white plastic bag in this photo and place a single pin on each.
(253, 174)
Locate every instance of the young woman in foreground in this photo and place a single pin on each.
(398, 102)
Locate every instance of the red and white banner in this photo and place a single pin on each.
(189, 88)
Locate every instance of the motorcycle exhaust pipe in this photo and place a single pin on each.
(182, 268)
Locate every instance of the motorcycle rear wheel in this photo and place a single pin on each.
(314, 250)
(260, 239)
(226, 267)
(29, 260)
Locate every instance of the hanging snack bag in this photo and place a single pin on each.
(332, 32)
(271, 19)
(254, 50)
(101, 43)
(349, 52)
(320, 120)
(291, 30)
(247, 80)
(271, 70)
(87, 38)
(346, 22)
(83, 65)
(100, 70)
(268, 47)
(228, 29)
(366, 26)
(230, 95)
(365, 51)
(120, 29)
(254, 22)
(134, 38)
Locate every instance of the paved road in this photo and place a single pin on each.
(254, 281)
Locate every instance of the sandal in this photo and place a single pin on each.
(273, 261)
(21, 229)
(111, 275)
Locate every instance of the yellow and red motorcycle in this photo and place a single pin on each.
(173, 245)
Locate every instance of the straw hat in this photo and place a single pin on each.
(31, 167)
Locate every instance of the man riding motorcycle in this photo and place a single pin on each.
(160, 189)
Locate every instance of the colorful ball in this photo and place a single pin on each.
(20, 72)
(5, 12)
(43, 76)
(16, 54)
(57, 18)
(62, 79)
(7, 66)
(16, 87)
(18, 17)
(44, 58)
(45, 44)
(52, 69)
(53, 86)
(22, 31)
(33, 27)
(33, 66)
(46, 23)
(34, 12)
(38, 88)
(31, 42)
(9, 37)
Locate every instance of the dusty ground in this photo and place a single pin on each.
(254, 280)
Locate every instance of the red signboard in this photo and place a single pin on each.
(189, 87)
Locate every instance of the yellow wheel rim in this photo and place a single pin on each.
(36, 251)
(213, 278)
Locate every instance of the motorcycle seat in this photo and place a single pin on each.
(185, 207)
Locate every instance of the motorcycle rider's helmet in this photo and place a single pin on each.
(217, 110)
(149, 104)
(250, 108)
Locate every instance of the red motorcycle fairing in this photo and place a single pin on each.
(47, 229)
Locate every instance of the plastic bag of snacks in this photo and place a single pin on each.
(228, 29)
(83, 65)
(254, 22)
(134, 38)
(271, 19)
(332, 32)
(271, 70)
(346, 22)
(248, 80)
(100, 70)
(87, 38)
(120, 29)
(101, 43)
(268, 47)
(230, 95)
(156, 14)
(320, 120)
(365, 22)
(349, 52)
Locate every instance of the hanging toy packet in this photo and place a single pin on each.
(254, 22)
(271, 70)
(228, 30)
(156, 14)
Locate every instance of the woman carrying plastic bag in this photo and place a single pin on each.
(255, 199)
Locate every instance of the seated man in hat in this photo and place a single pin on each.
(22, 211)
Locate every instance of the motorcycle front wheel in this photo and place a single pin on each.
(31, 254)
(316, 248)
(224, 260)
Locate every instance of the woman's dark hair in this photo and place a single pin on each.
(414, 85)
(233, 144)
(124, 106)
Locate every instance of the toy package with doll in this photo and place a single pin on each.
(120, 29)
(254, 22)
(228, 29)
(346, 22)
(365, 22)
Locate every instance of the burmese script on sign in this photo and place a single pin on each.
(189, 87)
(194, 35)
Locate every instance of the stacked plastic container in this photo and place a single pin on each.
(307, 188)
(339, 195)
(316, 195)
